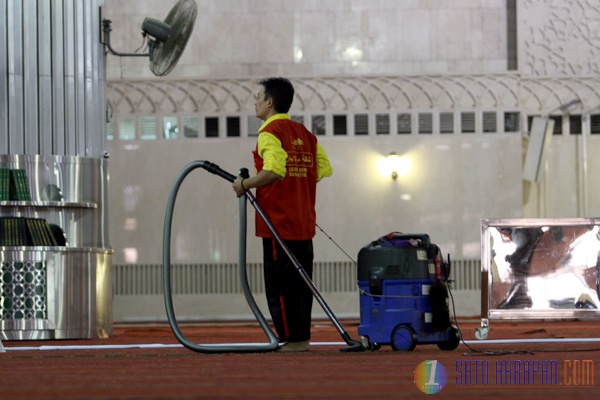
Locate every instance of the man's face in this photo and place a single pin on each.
(262, 106)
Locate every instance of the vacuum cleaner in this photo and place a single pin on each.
(272, 345)
(403, 294)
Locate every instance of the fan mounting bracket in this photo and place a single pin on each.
(106, 27)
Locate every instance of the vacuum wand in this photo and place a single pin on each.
(354, 344)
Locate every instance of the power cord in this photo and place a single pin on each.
(471, 351)
(338, 246)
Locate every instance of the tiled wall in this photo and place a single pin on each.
(308, 38)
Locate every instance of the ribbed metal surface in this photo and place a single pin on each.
(52, 95)
(200, 279)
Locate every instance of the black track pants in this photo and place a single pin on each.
(288, 297)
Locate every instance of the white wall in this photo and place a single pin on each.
(441, 56)
(254, 38)
(453, 183)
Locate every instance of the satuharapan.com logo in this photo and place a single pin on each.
(524, 373)
(431, 376)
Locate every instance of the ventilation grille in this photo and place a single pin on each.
(489, 122)
(425, 123)
(467, 122)
(148, 128)
(404, 124)
(447, 122)
(361, 124)
(382, 122)
(194, 279)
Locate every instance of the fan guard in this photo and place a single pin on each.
(168, 37)
(165, 55)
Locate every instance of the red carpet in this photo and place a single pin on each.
(503, 370)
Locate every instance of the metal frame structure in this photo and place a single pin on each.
(556, 265)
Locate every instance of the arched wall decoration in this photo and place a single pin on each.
(464, 92)
(547, 95)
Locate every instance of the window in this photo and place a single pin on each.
(190, 127)
(211, 127)
(446, 122)
(170, 128)
(382, 124)
(425, 123)
(127, 129)
(110, 131)
(595, 124)
(297, 118)
(233, 127)
(511, 36)
(467, 122)
(318, 125)
(511, 122)
(148, 128)
(404, 124)
(557, 125)
(361, 124)
(340, 125)
(575, 124)
(489, 122)
(254, 125)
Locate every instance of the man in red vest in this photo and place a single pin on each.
(289, 162)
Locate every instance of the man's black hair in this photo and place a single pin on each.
(281, 91)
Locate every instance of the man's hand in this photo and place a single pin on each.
(264, 177)
(237, 186)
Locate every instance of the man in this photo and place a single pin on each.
(289, 162)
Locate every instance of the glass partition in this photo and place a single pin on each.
(540, 268)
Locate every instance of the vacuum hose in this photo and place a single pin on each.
(221, 348)
(212, 348)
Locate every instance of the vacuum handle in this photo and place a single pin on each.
(215, 169)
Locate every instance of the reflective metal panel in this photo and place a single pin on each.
(60, 293)
(67, 191)
(540, 268)
(64, 291)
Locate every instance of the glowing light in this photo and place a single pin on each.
(298, 55)
(395, 166)
(352, 53)
(131, 255)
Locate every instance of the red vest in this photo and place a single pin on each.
(289, 203)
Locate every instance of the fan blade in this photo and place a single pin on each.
(181, 19)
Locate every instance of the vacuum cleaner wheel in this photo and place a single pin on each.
(404, 338)
(453, 340)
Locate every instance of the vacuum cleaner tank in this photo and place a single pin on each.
(397, 256)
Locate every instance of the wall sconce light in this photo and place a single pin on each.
(397, 165)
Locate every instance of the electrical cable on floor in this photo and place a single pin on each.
(473, 351)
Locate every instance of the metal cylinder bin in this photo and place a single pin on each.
(61, 290)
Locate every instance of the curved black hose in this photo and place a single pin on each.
(211, 348)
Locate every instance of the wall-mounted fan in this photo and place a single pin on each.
(168, 38)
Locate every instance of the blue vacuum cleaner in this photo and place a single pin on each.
(403, 297)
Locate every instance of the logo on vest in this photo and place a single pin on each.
(298, 144)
